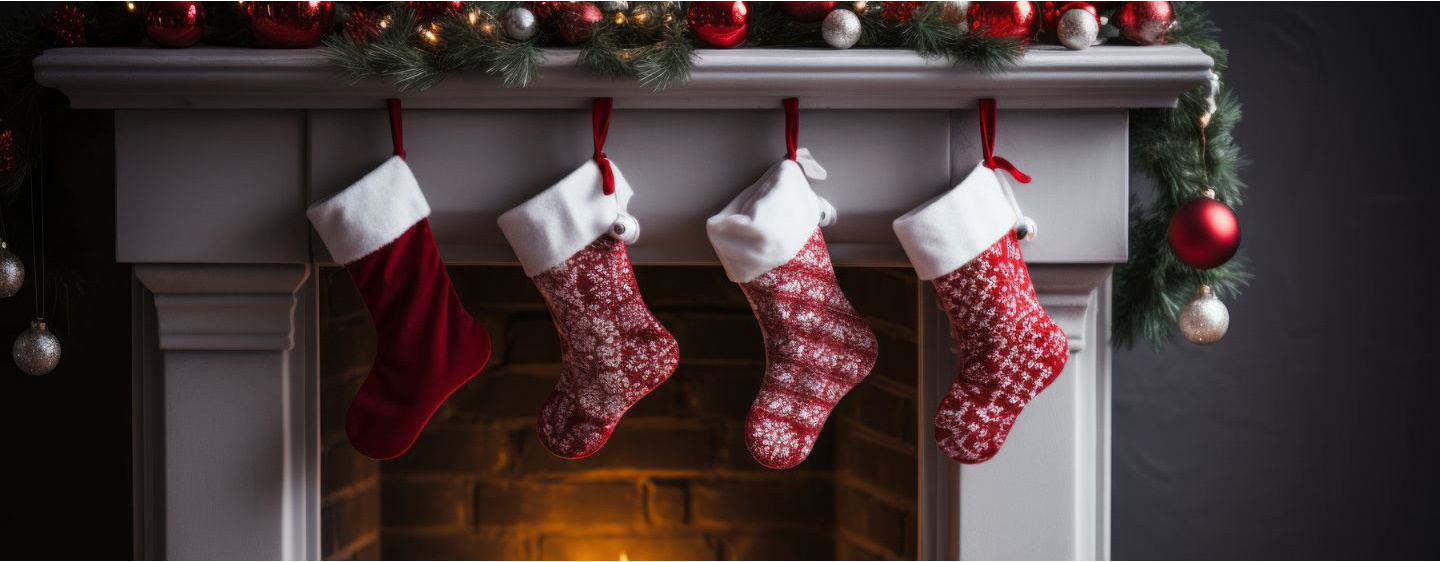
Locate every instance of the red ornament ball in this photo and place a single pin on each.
(720, 24)
(68, 24)
(807, 11)
(1145, 23)
(578, 21)
(364, 24)
(426, 12)
(175, 24)
(902, 12)
(1204, 233)
(1017, 20)
(289, 25)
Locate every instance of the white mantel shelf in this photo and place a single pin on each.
(230, 78)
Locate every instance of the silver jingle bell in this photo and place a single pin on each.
(519, 24)
(1026, 230)
(12, 272)
(1205, 319)
(1077, 29)
(36, 350)
(625, 229)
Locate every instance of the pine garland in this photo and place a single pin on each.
(1183, 157)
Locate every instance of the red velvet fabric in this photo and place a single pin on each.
(428, 344)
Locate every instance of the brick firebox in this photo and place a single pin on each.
(675, 480)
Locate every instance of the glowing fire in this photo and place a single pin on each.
(623, 557)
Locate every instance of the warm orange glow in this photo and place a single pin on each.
(473, 18)
(623, 557)
(619, 18)
(129, 6)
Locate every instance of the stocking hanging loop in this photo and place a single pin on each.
(397, 127)
(987, 142)
(792, 127)
(600, 123)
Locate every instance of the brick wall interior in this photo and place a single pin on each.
(675, 480)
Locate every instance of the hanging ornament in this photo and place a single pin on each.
(36, 350)
(614, 6)
(12, 272)
(807, 11)
(175, 24)
(1017, 20)
(289, 25)
(720, 24)
(67, 22)
(1145, 23)
(955, 13)
(7, 151)
(1078, 28)
(578, 21)
(364, 24)
(1204, 233)
(1205, 319)
(841, 29)
(901, 12)
(519, 24)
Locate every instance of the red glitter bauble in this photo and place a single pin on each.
(426, 12)
(1145, 23)
(68, 24)
(578, 21)
(1050, 13)
(720, 24)
(1004, 19)
(807, 11)
(1204, 233)
(289, 25)
(175, 24)
(363, 24)
(902, 12)
(547, 14)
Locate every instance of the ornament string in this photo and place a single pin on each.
(397, 127)
(37, 234)
(792, 127)
(600, 123)
(987, 142)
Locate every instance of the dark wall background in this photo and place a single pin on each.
(1307, 432)
(1304, 434)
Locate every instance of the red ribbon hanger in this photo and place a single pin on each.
(397, 127)
(987, 142)
(792, 127)
(600, 122)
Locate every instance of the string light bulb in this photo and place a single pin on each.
(130, 6)
(620, 18)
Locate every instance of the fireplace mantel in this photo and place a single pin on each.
(219, 151)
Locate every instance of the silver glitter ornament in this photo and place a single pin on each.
(519, 24)
(36, 351)
(1027, 229)
(615, 6)
(1077, 29)
(1205, 320)
(12, 272)
(841, 29)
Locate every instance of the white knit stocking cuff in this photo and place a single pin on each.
(768, 223)
(560, 221)
(370, 213)
(948, 231)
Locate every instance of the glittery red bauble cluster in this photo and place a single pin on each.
(902, 12)
(1004, 19)
(175, 24)
(363, 24)
(720, 24)
(1145, 23)
(578, 21)
(1204, 233)
(68, 24)
(289, 25)
(807, 11)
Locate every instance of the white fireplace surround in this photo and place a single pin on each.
(219, 151)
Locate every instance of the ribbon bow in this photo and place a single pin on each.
(600, 122)
(987, 142)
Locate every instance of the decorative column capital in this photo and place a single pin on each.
(224, 307)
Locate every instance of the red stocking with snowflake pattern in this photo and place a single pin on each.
(428, 345)
(1009, 348)
(571, 239)
(816, 347)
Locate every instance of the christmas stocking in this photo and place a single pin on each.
(1009, 349)
(428, 344)
(816, 347)
(571, 242)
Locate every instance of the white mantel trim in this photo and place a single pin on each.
(227, 77)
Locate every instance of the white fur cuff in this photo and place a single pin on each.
(768, 223)
(370, 213)
(560, 221)
(948, 231)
